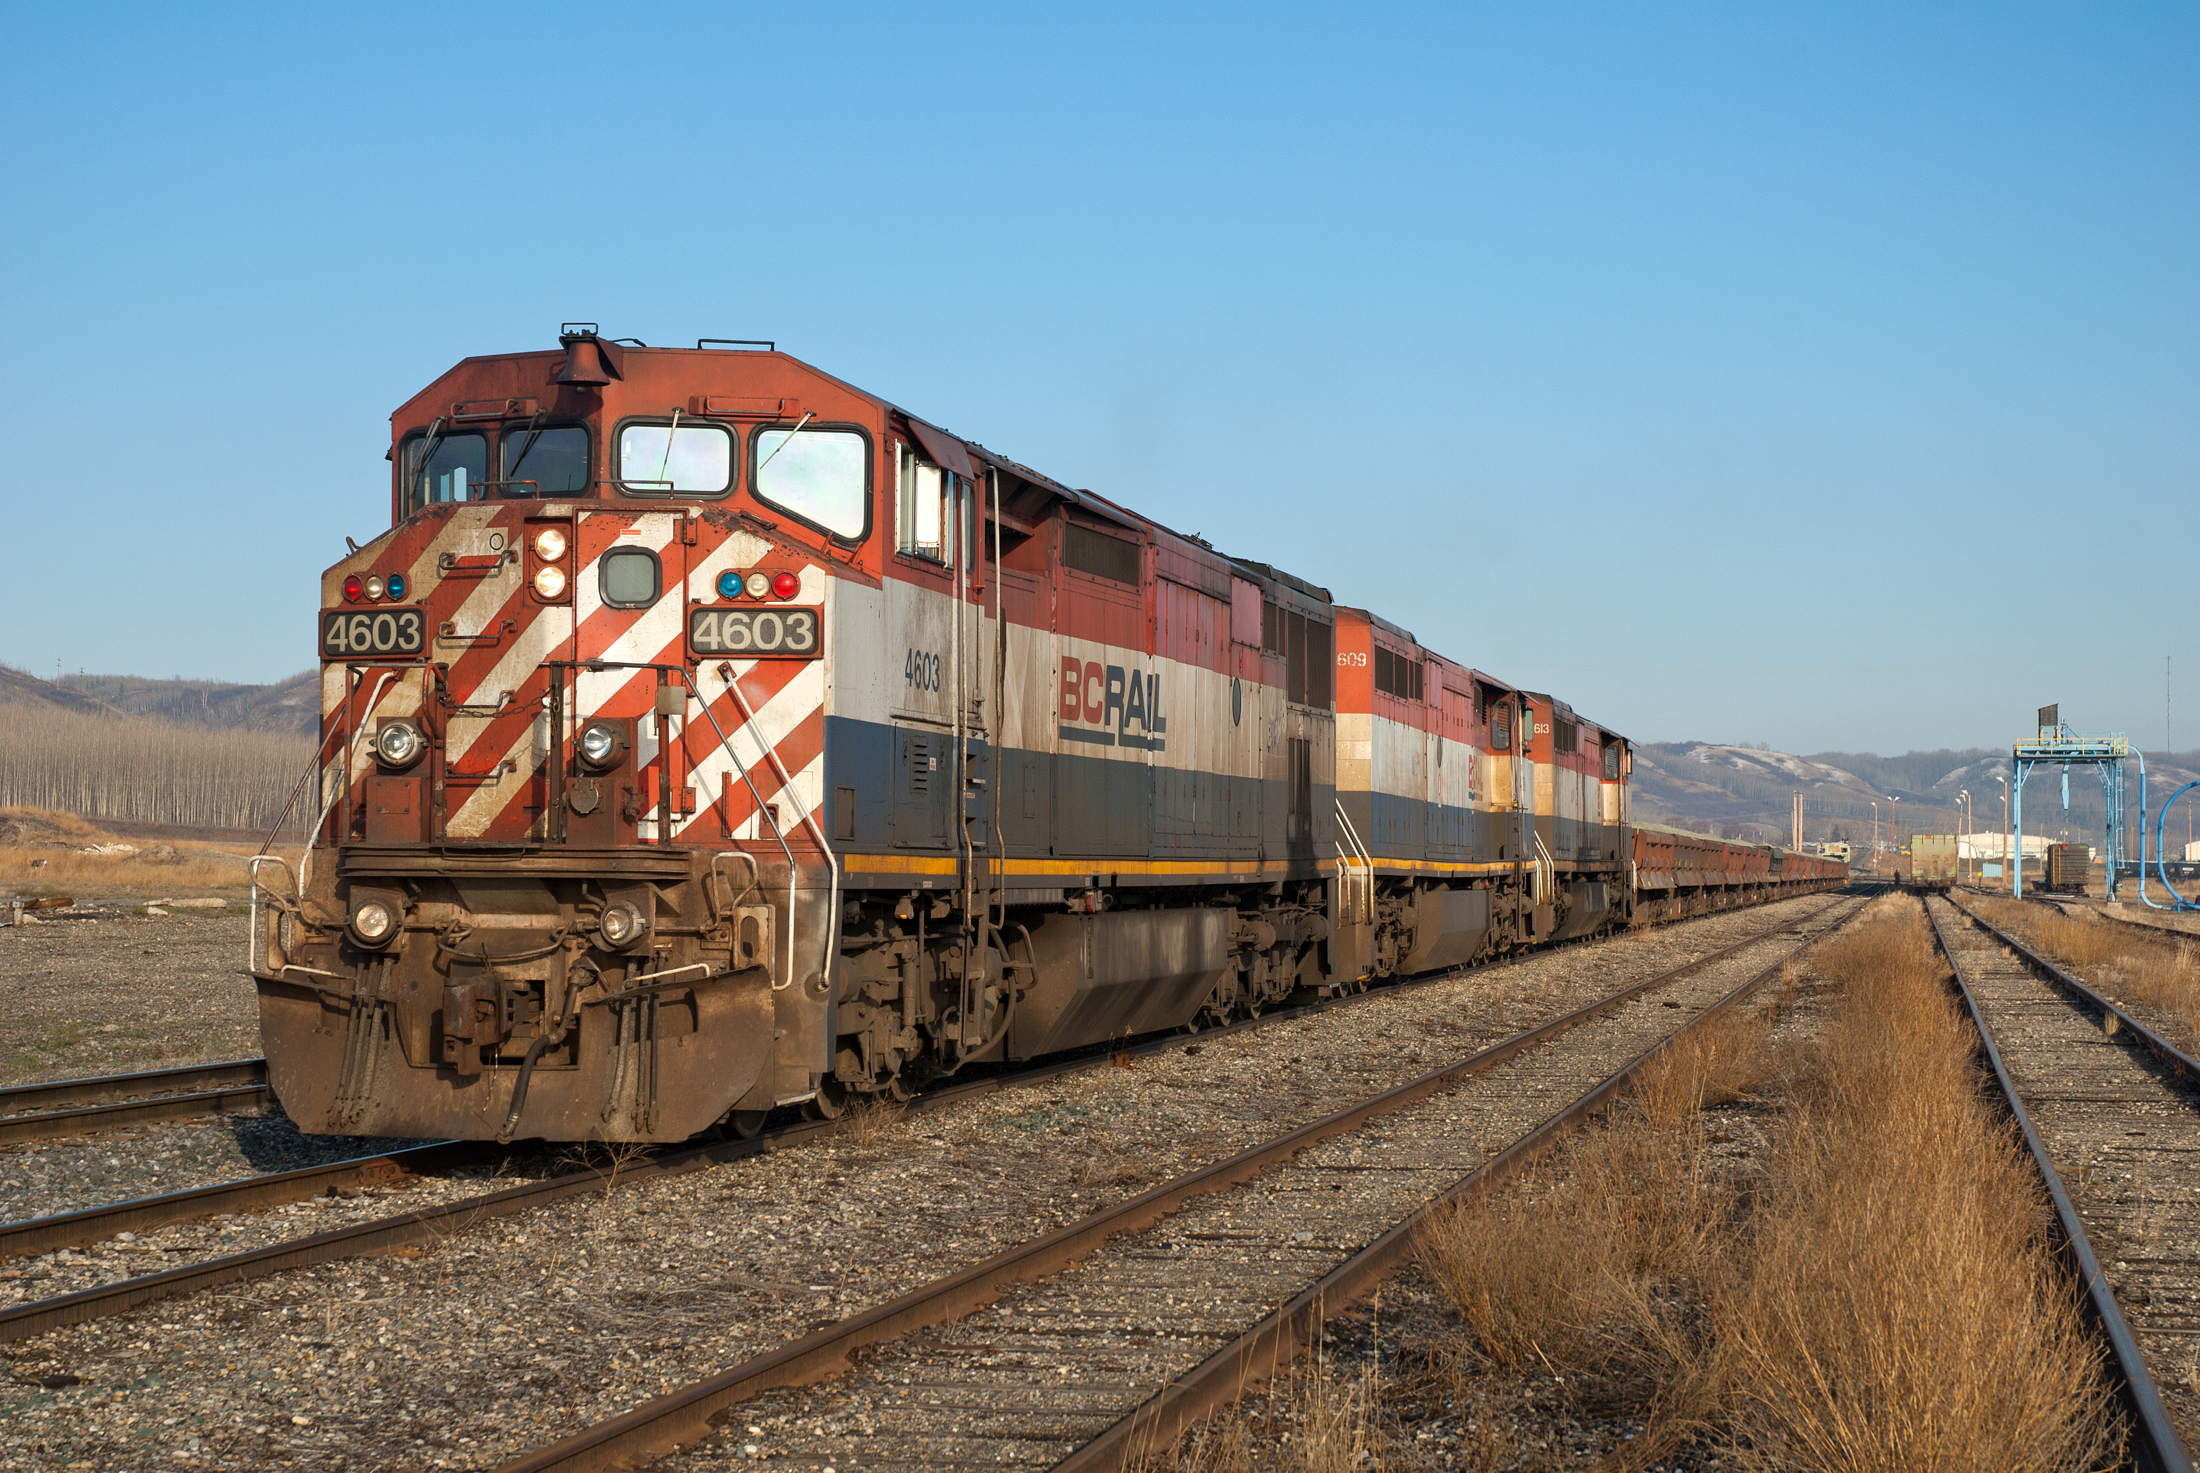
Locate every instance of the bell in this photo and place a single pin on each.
(590, 362)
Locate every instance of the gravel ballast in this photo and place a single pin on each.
(534, 1325)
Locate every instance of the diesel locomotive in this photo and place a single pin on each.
(707, 735)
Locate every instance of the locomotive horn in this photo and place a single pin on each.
(590, 362)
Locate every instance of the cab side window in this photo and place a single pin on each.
(924, 510)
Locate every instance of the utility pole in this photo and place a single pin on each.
(2004, 818)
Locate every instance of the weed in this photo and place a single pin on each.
(868, 1124)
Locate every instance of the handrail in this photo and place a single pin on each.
(1366, 860)
(764, 814)
(252, 867)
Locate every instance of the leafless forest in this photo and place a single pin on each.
(145, 770)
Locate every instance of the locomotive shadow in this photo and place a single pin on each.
(273, 1142)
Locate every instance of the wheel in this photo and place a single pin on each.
(745, 1124)
(829, 1102)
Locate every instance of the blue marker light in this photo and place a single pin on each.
(729, 584)
(397, 585)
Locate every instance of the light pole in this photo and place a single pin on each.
(2004, 818)
(1964, 828)
(1875, 833)
(1894, 835)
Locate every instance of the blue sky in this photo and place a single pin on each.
(1823, 376)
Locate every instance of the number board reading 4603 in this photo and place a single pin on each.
(756, 634)
(356, 634)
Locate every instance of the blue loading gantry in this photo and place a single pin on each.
(2059, 744)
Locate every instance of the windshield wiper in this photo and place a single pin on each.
(511, 472)
(427, 454)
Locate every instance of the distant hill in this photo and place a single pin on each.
(20, 687)
(1746, 792)
(293, 705)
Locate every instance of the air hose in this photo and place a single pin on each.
(543, 1043)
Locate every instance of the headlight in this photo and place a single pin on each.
(620, 924)
(759, 584)
(550, 582)
(374, 585)
(549, 544)
(373, 922)
(599, 745)
(399, 744)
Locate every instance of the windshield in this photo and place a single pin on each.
(663, 460)
(455, 469)
(819, 475)
(554, 461)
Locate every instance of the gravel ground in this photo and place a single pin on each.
(2107, 980)
(506, 1338)
(1024, 1381)
(2122, 1137)
(115, 992)
(42, 1178)
(1443, 1405)
(68, 1270)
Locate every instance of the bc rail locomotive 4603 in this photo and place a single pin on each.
(707, 735)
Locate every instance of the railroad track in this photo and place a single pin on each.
(70, 1107)
(2098, 910)
(1043, 1356)
(2108, 1113)
(438, 1223)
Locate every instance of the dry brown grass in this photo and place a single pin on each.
(1320, 1419)
(870, 1122)
(1883, 1299)
(2161, 974)
(46, 860)
(1894, 1303)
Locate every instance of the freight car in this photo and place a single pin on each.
(2069, 868)
(1932, 862)
(707, 735)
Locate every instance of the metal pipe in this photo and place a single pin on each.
(2160, 863)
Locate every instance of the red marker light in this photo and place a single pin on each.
(353, 588)
(786, 585)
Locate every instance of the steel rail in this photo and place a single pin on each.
(2150, 929)
(56, 1093)
(686, 1415)
(36, 1235)
(1278, 1339)
(2160, 1449)
(50, 1125)
(383, 1235)
(2183, 1066)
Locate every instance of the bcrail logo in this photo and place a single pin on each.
(1110, 702)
